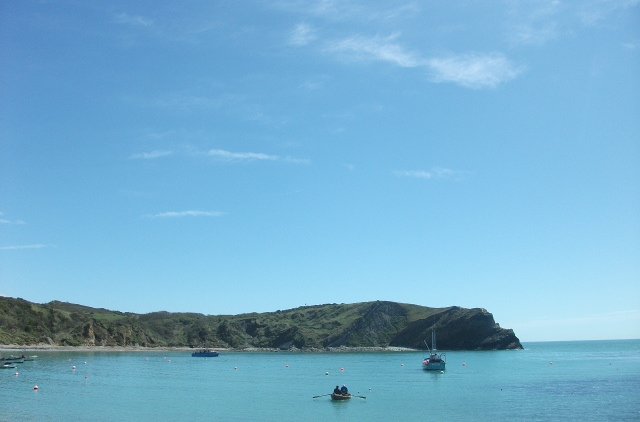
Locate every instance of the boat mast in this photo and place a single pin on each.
(433, 340)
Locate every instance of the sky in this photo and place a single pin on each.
(234, 157)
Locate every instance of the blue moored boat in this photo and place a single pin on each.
(12, 359)
(204, 353)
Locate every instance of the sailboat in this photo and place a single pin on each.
(435, 361)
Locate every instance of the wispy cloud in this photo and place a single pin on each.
(633, 45)
(5, 221)
(533, 22)
(474, 70)
(339, 10)
(180, 214)
(228, 155)
(528, 33)
(302, 34)
(250, 156)
(14, 247)
(150, 155)
(434, 173)
(126, 19)
(375, 48)
(313, 84)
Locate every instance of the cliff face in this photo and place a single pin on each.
(368, 324)
(459, 329)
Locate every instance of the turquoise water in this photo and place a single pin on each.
(587, 381)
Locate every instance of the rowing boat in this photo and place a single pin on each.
(335, 396)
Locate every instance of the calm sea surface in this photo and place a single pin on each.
(551, 381)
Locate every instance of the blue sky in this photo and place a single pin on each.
(230, 157)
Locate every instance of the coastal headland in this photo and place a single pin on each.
(379, 326)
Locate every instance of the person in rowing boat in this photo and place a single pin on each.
(337, 391)
(344, 390)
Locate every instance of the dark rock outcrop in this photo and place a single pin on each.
(458, 329)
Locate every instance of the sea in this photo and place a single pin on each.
(547, 381)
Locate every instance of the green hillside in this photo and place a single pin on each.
(367, 324)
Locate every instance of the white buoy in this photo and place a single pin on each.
(73, 367)
(35, 387)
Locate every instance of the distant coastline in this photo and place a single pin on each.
(376, 326)
(342, 349)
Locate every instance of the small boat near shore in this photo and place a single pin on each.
(435, 361)
(7, 365)
(12, 359)
(204, 353)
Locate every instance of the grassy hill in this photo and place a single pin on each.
(366, 324)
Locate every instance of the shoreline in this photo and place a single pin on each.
(341, 349)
